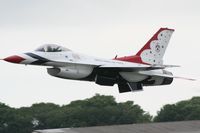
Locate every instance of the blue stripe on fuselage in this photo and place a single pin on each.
(40, 60)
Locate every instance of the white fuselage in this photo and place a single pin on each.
(130, 73)
(78, 66)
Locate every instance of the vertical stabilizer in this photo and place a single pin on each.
(154, 50)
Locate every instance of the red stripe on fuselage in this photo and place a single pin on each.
(134, 59)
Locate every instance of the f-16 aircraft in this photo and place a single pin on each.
(130, 73)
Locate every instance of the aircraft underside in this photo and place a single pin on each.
(127, 81)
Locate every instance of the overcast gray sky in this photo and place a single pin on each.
(101, 28)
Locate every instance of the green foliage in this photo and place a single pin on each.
(11, 121)
(102, 110)
(96, 111)
(184, 110)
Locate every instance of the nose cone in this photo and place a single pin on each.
(14, 59)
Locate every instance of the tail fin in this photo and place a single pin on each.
(154, 50)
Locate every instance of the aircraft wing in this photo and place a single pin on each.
(135, 67)
(101, 64)
(119, 65)
(59, 63)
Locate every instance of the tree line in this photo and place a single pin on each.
(96, 111)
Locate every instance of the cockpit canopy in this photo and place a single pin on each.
(51, 48)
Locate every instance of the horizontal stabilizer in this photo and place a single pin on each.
(165, 66)
(159, 74)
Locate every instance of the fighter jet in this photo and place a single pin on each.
(130, 73)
